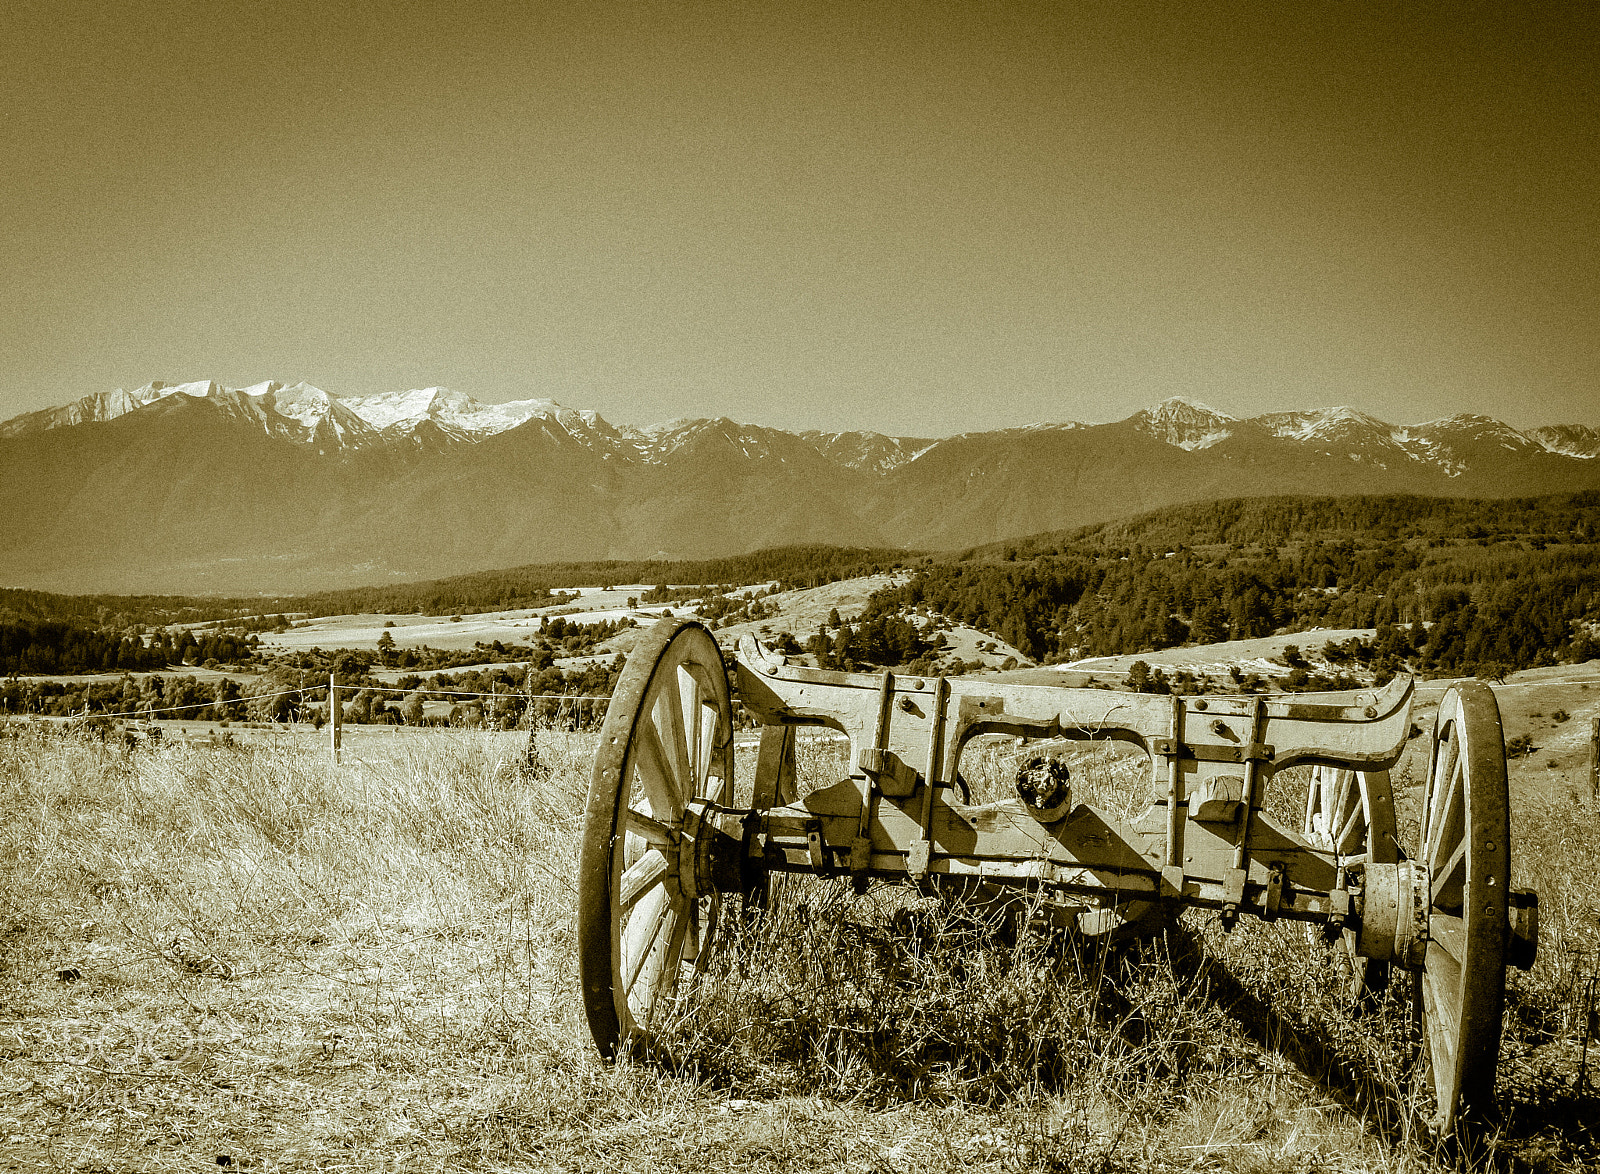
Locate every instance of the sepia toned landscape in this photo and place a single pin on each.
(889, 588)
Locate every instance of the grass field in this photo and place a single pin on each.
(243, 957)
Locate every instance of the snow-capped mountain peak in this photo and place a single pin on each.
(306, 404)
(1184, 423)
(459, 415)
(1467, 428)
(1325, 424)
(94, 408)
(1569, 440)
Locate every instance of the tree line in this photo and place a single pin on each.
(1515, 586)
(50, 647)
(1283, 520)
(530, 586)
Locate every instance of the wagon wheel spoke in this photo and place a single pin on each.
(641, 877)
(656, 968)
(668, 716)
(1445, 884)
(1450, 935)
(689, 703)
(707, 932)
(1346, 814)
(653, 769)
(643, 930)
(1351, 808)
(1350, 815)
(706, 722)
(652, 831)
(664, 972)
(1444, 797)
(1441, 1004)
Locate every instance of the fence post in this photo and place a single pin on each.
(334, 717)
(1594, 758)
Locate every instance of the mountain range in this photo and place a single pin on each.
(198, 487)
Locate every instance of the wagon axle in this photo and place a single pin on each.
(665, 842)
(731, 852)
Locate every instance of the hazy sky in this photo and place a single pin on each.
(916, 218)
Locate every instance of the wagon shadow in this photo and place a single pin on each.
(1547, 1115)
(1355, 1084)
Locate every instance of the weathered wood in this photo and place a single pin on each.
(775, 783)
(335, 718)
(1089, 851)
(1361, 729)
(1594, 758)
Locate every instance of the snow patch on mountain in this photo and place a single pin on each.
(1569, 440)
(654, 443)
(869, 452)
(459, 416)
(306, 405)
(1326, 424)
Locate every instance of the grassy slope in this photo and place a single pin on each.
(245, 952)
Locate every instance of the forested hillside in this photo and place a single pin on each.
(46, 647)
(1279, 521)
(120, 611)
(530, 586)
(1450, 586)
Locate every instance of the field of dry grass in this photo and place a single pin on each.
(242, 957)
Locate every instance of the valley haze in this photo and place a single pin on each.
(278, 488)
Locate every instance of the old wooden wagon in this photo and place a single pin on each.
(664, 845)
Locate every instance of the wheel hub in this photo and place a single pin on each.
(709, 859)
(1394, 914)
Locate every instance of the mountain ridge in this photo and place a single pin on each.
(387, 416)
(199, 487)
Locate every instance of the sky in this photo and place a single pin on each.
(919, 219)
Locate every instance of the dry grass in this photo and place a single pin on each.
(243, 953)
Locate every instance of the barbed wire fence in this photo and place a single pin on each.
(567, 703)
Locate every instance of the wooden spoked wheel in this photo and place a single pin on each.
(1351, 814)
(1466, 847)
(667, 739)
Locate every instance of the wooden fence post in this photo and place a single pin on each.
(1594, 758)
(334, 717)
